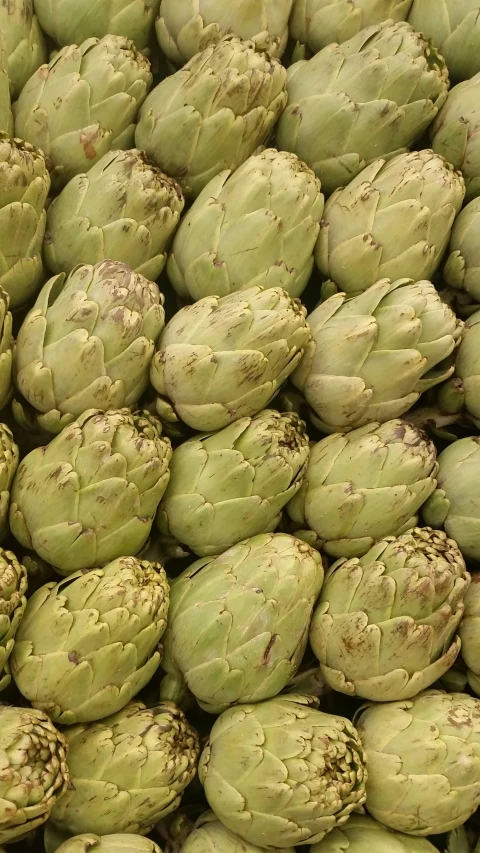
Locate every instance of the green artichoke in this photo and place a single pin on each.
(282, 773)
(318, 23)
(238, 624)
(123, 209)
(372, 96)
(24, 41)
(213, 113)
(83, 104)
(371, 357)
(13, 588)
(385, 626)
(73, 21)
(127, 771)
(456, 132)
(455, 505)
(393, 220)
(211, 836)
(88, 644)
(470, 633)
(364, 485)
(454, 27)
(34, 770)
(124, 843)
(186, 28)
(24, 187)
(9, 459)
(257, 226)
(6, 116)
(114, 460)
(87, 343)
(463, 391)
(462, 269)
(423, 761)
(223, 359)
(234, 483)
(6, 346)
(362, 834)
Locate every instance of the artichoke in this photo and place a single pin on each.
(462, 269)
(123, 208)
(281, 772)
(13, 588)
(371, 96)
(114, 460)
(455, 505)
(9, 459)
(24, 187)
(186, 28)
(211, 836)
(238, 624)
(34, 770)
(423, 761)
(73, 21)
(454, 27)
(463, 391)
(362, 486)
(88, 644)
(6, 346)
(371, 357)
(213, 113)
(362, 834)
(124, 843)
(470, 633)
(318, 23)
(223, 359)
(87, 343)
(24, 42)
(385, 626)
(84, 103)
(393, 220)
(456, 132)
(6, 116)
(233, 484)
(127, 771)
(257, 226)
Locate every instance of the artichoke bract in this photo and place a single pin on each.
(234, 483)
(455, 505)
(423, 761)
(462, 268)
(257, 226)
(6, 116)
(223, 359)
(34, 770)
(83, 104)
(372, 356)
(369, 97)
(213, 113)
(13, 588)
(470, 633)
(385, 626)
(313, 764)
(238, 624)
(392, 221)
(88, 644)
(454, 27)
(124, 208)
(318, 23)
(115, 460)
(87, 343)
(9, 459)
(127, 771)
(24, 187)
(186, 28)
(211, 836)
(456, 132)
(72, 21)
(362, 834)
(124, 843)
(364, 485)
(24, 42)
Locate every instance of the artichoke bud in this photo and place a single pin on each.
(455, 133)
(13, 590)
(72, 21)
(24, 42)
(124, 843)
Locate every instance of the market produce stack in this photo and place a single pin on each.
(240, 426)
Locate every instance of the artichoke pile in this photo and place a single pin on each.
(240, 426)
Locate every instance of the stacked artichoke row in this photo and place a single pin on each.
(240, 426)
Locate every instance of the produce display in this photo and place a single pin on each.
(239, 426)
